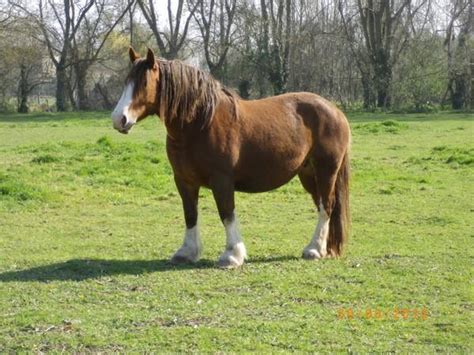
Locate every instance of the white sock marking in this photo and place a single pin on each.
(192, 245)
(235, 252)
(318, 244)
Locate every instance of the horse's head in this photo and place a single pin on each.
(139, 98)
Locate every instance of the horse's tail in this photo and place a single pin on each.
(340, 219)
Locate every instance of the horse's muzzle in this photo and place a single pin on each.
(125, 125)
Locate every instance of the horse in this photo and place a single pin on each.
(219, 141)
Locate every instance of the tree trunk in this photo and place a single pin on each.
(383, 78)
(276, 48)
(244, 88)
(380, 22)
(23, 90)
(61, 78)
(367, 92)
(217, 72)
(460, 71)
(459, 93)
(278, 84)
(82, 97)
(171, 54)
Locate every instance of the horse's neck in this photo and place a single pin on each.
(181, 131)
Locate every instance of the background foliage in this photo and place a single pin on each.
(410, 55)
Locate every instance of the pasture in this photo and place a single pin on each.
(89, 219)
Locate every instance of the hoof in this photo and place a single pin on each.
(180, 259)
(312, 254)
(186, 255)
(229, 263)
(233, 258)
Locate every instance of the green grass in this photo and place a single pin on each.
(89, 219)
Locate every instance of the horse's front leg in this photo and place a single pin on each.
(191, 249)
(235, 252)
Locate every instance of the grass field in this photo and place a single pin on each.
(89, 219)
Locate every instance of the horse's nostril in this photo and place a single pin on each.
(124, 121)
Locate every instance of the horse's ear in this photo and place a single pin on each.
(133, 55)
(150, 58)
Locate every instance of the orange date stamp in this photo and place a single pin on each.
(393, 313)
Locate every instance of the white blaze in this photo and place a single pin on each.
(121, 110)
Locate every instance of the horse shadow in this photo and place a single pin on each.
(84, 269)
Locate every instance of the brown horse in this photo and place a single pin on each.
(219, 141)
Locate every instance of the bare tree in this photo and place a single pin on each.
(88, 41)
(171, 42)
(131, 13)
(385, 27)
(275, 41)
(320, 59)
(377, 20)
(58, 22)
(23, 68)
(457, 50)
(346, 50)
(359, 54)
(31, 75)
(215, 19)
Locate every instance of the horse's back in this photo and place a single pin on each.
(297, 112)
(277, 134)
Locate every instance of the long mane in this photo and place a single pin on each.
(189, 94)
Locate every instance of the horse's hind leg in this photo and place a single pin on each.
(319, 179)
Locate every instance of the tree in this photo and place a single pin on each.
(169, 43)
(419, 77)
(243, 64)
(58, 22)
(386, 28)
(320, 58)
(88, 42)
(458, 53)
(23, 69)
(379, 22)
(215, 19)
(31, 74)
(359, 53)
(275, 42)
(384, 52)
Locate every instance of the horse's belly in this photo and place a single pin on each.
(267, 175)
(259, 185)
